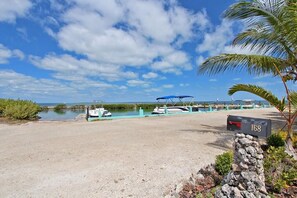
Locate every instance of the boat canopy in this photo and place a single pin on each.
(171, 97)
(166, 97)
(185, 97)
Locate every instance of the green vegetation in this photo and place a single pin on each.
(280, 169)
(19, 109)
(275, 140)
(125, 106)
(271, 33)
(3, 104)
(60, 107)
(77, 107)
(283, 134)
(44, 108)
(223, 162)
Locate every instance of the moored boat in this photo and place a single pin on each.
(249, 104)
(98, 112)
(172, 108)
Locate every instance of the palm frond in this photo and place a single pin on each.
(293, 98)
(254, 64)
(261, 92)
(290, 23)
(264, 42)
(256, 10)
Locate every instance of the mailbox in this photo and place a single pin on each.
(253, 126)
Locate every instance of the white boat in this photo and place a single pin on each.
(95, 112)
(249, 104)
(171, 109)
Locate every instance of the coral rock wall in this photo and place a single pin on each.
(246, 179)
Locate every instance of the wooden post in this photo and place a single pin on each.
(87, 114)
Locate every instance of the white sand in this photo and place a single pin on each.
(142, 157)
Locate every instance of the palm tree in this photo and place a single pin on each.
(271, 31)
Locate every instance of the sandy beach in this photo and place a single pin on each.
(142, 157)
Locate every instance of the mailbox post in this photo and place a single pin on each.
(253, 126)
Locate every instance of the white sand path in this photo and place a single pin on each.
(141, 157)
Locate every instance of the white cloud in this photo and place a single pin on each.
(127, 33)
(10, 10)
(219, 41)
(236, 79)
(18, 54)
(184, 84)
(17, 85)
(23, 33)
(173, 63)
(200, 60)
(267, 83)
(67, 66)
(6, 54)
(150, 75)
(56, 5)
(151, 16)
(153, 90)
(213, 80)
(215, 42)
(138, 83)
(263, 76)
(169, 86)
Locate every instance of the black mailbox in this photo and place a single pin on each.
(253, 126)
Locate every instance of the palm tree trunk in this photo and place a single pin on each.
(289, 144)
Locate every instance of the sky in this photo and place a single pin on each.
(117, 50)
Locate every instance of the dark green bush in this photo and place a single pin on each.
(275, 140)
(77, 107)
(21, 110)
(122, 107)
(44, 108)
(3, 104)
(280, 169)
(223, 162)
(60, 107)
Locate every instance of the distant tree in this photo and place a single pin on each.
(271, 31)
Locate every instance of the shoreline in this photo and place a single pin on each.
(140, 157)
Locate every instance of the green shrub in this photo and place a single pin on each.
(280, 169)
(223, 162)
(44, 108)
(60, 107)
(275, 140)
(3, 104)
(21, 110)
(77, 107)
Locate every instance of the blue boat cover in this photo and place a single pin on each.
(170, 97)
(185, 97)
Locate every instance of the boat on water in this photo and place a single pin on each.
(98, 111)
(249, 104)
(172, 108)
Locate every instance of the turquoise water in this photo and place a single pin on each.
(64, 115)
(71, 115)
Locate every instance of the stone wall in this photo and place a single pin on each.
(246, 179)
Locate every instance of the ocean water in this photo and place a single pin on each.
(51, 115)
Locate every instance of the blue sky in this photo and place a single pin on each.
(116, 50)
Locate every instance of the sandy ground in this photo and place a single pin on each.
(142, 157)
